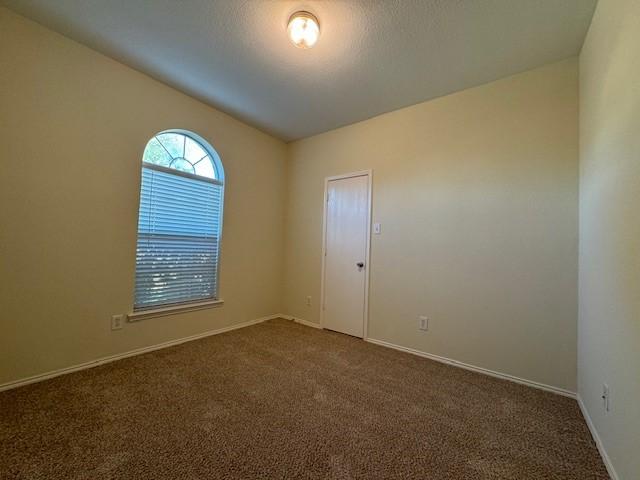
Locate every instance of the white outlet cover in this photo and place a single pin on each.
(117, 322)
(377, 228)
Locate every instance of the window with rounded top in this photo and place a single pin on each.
(183, 152)
(179, 221)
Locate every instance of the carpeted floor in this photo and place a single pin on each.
(281, 400)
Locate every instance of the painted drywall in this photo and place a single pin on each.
(609, 312)
(477, 194)
(73, 126)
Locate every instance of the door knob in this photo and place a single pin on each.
(360, 264)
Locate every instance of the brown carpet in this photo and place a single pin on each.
(280, 400)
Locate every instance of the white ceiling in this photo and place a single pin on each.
(373, 56)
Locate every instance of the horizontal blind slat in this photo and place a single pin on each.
(178, 239)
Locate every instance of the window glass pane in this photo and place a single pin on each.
(205, 168)
(156, 154)
(182, 165)
(180, 152)
(193, 151)
(173, 142)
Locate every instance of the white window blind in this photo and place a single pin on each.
(178, 245)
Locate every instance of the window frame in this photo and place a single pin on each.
(150, 311)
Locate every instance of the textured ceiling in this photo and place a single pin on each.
(373, 56)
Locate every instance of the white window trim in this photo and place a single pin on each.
(138, 315)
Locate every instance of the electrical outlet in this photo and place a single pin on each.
(423, 323)
(606, 404)
(308, 301)
(117, 322)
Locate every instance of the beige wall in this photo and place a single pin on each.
(477, 196)
(609, 320)
(73, 126)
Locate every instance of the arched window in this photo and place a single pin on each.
(179, 221)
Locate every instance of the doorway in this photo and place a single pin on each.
(345, 266)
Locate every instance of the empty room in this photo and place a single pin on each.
(323, 239)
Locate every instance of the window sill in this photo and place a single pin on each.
(173, 310)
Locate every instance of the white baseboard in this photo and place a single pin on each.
(455, 363)
(131, 353)
(301, 321)
(473, 368)
(596, 438)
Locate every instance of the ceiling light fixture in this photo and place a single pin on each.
(304, 29)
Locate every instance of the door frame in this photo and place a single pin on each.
(367, 255)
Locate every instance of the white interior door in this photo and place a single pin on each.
(346, 231)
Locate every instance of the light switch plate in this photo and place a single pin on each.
(377, 228)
